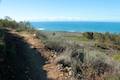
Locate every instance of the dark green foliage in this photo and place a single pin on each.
(25, 26)
(18, 26)
(102, 37)
(88, 35)
(56, 46)
(78, 54)
(53, 34)
(2, 47)
(8, 23)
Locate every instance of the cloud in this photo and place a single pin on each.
(50, 18)
(59, 18)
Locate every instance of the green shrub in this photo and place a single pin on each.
(116, 57)
(88, 35)
(99, 62)
(98, 37)
(18, 26)
(55, 45)
(41, 36)
(77, 58)
(64, 58)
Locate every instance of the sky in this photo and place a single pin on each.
(61, 10)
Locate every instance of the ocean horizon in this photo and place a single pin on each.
(112, 27)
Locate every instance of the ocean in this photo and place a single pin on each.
(112, 27)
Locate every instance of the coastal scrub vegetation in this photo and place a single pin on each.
(7, 22)
(93, 58)
(88, 55)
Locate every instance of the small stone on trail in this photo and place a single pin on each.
(31, 46)
(70, 73)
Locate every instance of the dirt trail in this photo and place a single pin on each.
(49, 68)
(26, 64)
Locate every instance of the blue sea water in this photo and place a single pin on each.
(113, 27)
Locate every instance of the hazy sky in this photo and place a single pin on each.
(83, 10)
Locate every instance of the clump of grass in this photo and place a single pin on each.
(64, 58)
(116, 57)
(76, 38)
(95, 55)
(112, 77)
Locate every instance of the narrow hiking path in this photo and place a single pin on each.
(26, 64)
(35, 55)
